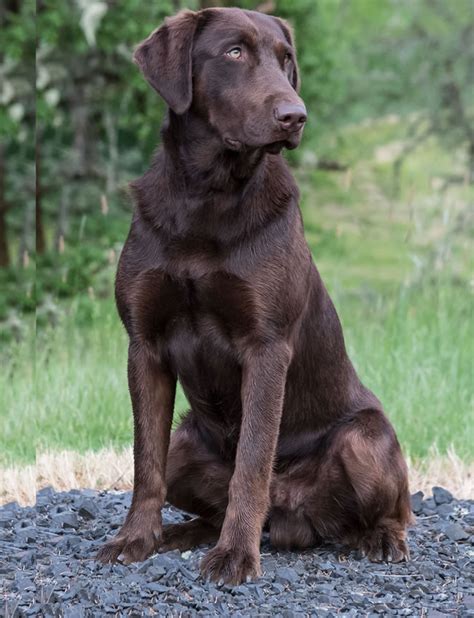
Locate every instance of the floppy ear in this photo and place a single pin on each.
(165, 59)
(294, 71)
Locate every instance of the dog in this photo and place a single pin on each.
(216, 288)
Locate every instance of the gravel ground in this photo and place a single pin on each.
(47, 568)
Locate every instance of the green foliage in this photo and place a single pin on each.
(18, 296)
(17, 53)
(17, 113)
(97, 120)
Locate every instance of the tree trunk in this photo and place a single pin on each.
(470, 156)
(24, 253)
(80, 123)
(40, 239)
(63, 215)
(4, 253)
(113, 155)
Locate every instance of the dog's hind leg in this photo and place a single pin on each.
(353, 490)
(189, 534)
(197, 482)
(375, 470)
(291, 530)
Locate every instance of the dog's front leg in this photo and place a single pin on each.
(236, 556)
(152, 390)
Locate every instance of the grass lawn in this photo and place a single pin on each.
(414, 351)
(397, 268)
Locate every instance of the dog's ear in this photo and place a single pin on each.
(165, 59)
(294, 71)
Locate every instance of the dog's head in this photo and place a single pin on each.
(236, 69)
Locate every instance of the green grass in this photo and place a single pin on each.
(398, 269)
(416, 354)
(414, 349)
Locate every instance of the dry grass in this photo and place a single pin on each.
(112, 469)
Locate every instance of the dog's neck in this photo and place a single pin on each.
(206, 165)
(211, 184)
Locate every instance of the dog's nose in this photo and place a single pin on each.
(290, 116)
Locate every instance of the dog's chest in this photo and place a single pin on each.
(184, 313)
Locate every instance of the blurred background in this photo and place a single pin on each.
(386, 172)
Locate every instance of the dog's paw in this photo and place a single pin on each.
(385, 546)
(187, 535)
(130, 545)
(396, 551)
(230, 566)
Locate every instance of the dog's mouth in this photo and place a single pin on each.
(233, 144)
(276, 147)
(271, 148)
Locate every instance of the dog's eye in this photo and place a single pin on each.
(235, 53)
(287, 58)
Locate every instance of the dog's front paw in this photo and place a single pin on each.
(131, 544)
(230, 566)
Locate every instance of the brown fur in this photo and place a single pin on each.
(216, 287)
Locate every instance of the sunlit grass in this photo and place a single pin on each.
(416, 353)
(82, 395)
(17, 399)
(413, 348)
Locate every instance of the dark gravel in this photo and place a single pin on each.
(47, 568)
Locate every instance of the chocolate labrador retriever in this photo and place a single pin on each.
(217, 289)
